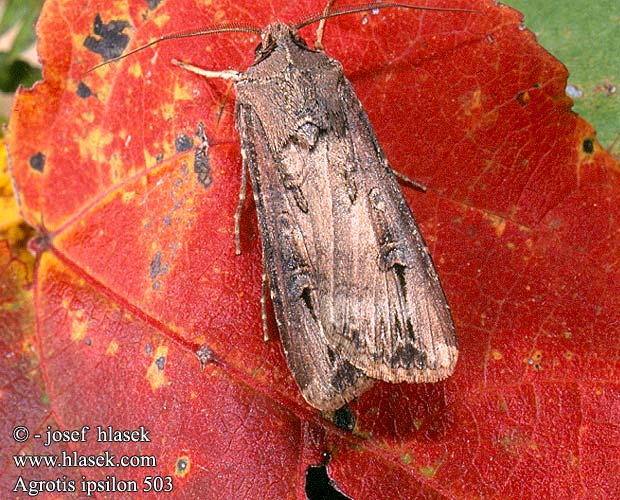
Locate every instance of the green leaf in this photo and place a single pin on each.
(17, 11)
(25, 36)
(22, 13)
(14, 72)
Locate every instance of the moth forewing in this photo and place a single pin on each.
(355, 292)
(326, 379)
(408, 333)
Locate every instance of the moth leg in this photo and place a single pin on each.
(227, 74)
(409, 180)
(242, 193)
(318, 44)
(263, 299)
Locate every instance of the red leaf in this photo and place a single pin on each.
(521, 217)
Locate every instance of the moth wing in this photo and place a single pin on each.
(387, 312)
(354, 289)
(326, 379)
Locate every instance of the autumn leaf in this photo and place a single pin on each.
(144, 316)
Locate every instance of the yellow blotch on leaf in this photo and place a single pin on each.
(429, 471)
(79, 325)
(473, 105)
(499, 223)
(128, 196)
(219, 16)
(167, 110)
(95, 139)
(88, 116)
(135, 70)
(150, 160)
(9, 213)
(112, 348)
(156, 371)
(162, 20)
(182, 92)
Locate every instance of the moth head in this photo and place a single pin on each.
(274, 36)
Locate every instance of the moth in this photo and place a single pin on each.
(354, 289)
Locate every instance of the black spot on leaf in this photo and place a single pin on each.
(181, 465)
(205, 355)
(157, 268)
(110, 41)
(37, 162)
(183, 143)
(588, 146)
(83, 90)
(523, 98)
(160, 362)
(344, 418)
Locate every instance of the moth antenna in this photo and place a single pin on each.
(208, 30)
(353, 9)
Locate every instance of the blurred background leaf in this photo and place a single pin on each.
(22, 14)
(16, 71)
(17, 20)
